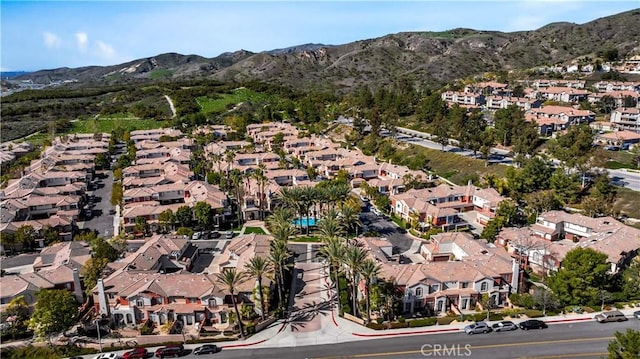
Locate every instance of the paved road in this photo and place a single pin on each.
(101, 221)
(628, 179)
(387, 229)
(575, 340)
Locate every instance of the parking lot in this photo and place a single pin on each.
(101, 218)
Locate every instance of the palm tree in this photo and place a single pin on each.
(369, 270)
(330, 226)
(353, 258)
(333, 251)
(291, 197)
(308, 199)
(280, 217)
(350, 218)
(279, 258)
(262, 181)
(232, 279)
(257, 267)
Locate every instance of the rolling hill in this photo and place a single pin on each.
(424, 58)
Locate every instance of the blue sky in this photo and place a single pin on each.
(49, 34)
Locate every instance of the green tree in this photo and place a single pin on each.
(631, 280)
(625, 345)
(487, 303)
(26, 235)
(116, 194)
(545, 299)
(231, 278)
(203, 214)
(166, 219)
(258, 267)
(565, 186)
(353, 259)
(102, 160)
(142, 225)
(184, 216)
(369, 270)
(506, 121)
(50, 235)
(92, 271)
(55, 311)
(584, 271)
(18, 310)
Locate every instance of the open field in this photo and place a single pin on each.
(456, 168)
(627, 202)
(216, 105)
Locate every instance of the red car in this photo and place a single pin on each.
(137, 353)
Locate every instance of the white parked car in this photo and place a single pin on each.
(107, 356)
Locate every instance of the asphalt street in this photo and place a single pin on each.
(101, 220)
(387, 229)
(576, 340)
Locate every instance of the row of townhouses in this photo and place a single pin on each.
(52, 190)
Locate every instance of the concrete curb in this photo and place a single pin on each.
(231, 346)
(567, 320)
(407, 333)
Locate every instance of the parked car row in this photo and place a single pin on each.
(211, 235)
(164, 352)
(503, 326)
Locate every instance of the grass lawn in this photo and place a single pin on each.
(627, 202)
(256, 230)
(107, 125)
(219, 104)
(456, 168)
(310, 239)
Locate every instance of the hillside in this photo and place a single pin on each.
(425, 58)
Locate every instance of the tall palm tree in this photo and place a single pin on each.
(308, 199)
(350, 218)
(280, 217)
(262, 181)
(369, 270)
(333, 251)
(330, 226)
(353, 258)
(237, 184)
(279, 257)
(232, 279)
(291, 197)
(257, 267)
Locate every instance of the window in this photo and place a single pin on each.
(418, 292)
(484, 286)
(465, 285)
(139, 302)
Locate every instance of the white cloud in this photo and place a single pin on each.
(51, 40)
(82, 39)
(104, 50)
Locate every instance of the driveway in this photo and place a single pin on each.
(387, 229)
(101, 220)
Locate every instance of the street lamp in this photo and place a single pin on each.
(97, 321)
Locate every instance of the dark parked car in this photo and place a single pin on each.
(636, 314)
(137, 353)
(533, 324)
(504, 326)
(170, 351)
(214, 234)
(206, 349)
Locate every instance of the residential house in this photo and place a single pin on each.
(626, 118)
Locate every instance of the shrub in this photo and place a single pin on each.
(379, 320)
(375, 326)
(445, 320)
(619, 305)
(250, 329)
(401, 319)
(396, 325)
(422, 322)
(513, 313)
(146, 330)
(496, 316)
(522, 300)
(533, 313)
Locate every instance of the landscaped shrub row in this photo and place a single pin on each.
(422, 322)
(533, 313)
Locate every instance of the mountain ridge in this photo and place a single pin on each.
(423, 58)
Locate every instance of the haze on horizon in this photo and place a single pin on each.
(49, 34)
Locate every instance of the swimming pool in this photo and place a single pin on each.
(304, 222)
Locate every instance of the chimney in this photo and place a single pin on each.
(77, 286)
(102, 299)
